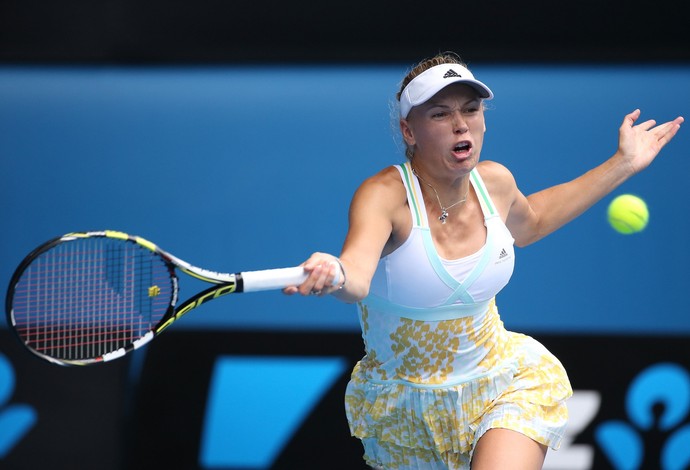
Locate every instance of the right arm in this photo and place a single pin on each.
(371, 220)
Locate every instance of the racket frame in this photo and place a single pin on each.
(224, 284)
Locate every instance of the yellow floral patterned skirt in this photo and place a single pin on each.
(404, 426)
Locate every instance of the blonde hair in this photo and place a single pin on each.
(426, 64)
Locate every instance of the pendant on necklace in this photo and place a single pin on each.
(443, 216)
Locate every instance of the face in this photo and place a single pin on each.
(448, 129)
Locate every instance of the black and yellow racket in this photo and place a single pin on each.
(91, 297)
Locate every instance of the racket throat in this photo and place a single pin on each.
(201, 298)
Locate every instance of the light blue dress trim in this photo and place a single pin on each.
(440, 313)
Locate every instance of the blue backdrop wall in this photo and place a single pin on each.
(250, 168)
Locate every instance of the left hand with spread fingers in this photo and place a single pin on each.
(639, 144)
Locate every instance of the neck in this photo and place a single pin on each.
(449, 190)
(454, 196)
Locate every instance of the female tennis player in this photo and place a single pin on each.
(443, 384)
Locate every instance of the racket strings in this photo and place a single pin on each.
(89, 297)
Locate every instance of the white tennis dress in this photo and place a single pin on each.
(440, 368)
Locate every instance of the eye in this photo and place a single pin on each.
(439, 114)
(472, 109)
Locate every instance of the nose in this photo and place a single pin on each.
(459, 124)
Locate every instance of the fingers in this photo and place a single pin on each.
(321, 277)
(323, 271)
(668, 130)
(629, 119)
(663, 132)
(647, 125)
(290, 290)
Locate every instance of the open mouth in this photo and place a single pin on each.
(462, 147)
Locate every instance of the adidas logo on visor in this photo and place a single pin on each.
(452, 73)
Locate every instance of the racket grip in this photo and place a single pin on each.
(273, 279)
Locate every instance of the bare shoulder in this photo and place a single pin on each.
(500, 183)
(385, 187)
(379, 216)
(494, 173)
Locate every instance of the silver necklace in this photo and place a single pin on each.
(444, 210)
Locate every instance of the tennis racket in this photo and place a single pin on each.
(91, 297)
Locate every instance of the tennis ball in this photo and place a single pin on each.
(628, 214)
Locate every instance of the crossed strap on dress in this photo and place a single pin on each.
(420, 220)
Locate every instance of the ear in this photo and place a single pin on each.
(406, 132)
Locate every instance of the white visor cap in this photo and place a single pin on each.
(431, 81)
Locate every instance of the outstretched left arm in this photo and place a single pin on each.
(533, 217)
